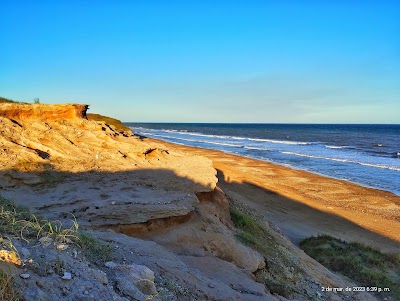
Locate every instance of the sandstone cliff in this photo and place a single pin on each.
(158, 208)
(22, 111)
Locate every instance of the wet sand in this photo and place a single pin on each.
(303, 204)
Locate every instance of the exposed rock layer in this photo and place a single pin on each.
(23, 112)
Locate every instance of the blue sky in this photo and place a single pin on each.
(207, 61)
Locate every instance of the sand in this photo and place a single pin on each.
(303, 204)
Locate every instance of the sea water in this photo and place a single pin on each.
(368, 155)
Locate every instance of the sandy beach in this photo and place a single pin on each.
(303, 204)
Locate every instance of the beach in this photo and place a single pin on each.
(303, 204)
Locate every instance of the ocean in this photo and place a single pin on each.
(368, 155)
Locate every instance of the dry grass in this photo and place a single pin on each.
(7, 291)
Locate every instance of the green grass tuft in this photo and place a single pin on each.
(251, 232)
(367, 266)
(18, 221)
(111, 121)
(93, 249)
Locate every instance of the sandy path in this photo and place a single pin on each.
(304, 204)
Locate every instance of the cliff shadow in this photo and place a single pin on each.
(101, 199)
(299, 221)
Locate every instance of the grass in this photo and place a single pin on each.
(18, 221)
(3, 100)
(93, 249)
(253, 234)
(7, 291)
(6, 100)
(111, 121)
(365, 265)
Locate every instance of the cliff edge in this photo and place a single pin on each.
(21, 111)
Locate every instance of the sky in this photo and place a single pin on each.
(207, 61)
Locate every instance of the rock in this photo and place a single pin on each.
(62, 247)
(40, 283)
(65, 291)
(127, 288)
(140, 276)
(111, 264)
(36, 294)
(23, 111)
(25, 276)
(66, 276)
(46, 241)
(10, 256)
(218, 240)
(100, 276)
(25, 252)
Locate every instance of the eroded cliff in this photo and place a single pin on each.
(157, 207)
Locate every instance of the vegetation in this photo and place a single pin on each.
(251, 232)
(111, 121)
(36, 101)
(3, 100)
(255, 235)
(17, 221)
(367, 266)
(7, 291)
(93, 249)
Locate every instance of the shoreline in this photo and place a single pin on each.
(304, 204)
(282, 164)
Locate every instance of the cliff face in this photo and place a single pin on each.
(19, 111)
(51, 143)
(59, 165)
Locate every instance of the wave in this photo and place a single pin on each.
(256, 148)
(279, 141)
(235, 137)
(333, 146)
(193, 140)
(344, 160)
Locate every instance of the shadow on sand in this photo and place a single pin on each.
(101, 198)
(299, 221)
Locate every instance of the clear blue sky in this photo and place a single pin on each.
(207, 61)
